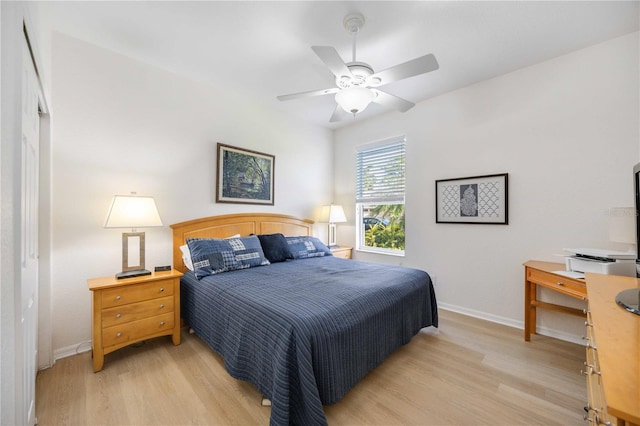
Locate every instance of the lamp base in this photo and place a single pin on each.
(131, 274)
(332, 235)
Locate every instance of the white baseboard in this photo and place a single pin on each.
(545, 331)
(71, 350)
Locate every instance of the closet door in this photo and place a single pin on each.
(30, 155)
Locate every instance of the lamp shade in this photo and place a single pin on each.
(333, 213)
(132, 211)
(354, 99)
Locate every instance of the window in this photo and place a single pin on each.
(380, 180)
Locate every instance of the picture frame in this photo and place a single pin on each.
(473, 200)
(244, 176)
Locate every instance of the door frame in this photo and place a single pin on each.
(45, 311)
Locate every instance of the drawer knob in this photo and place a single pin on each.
(594, 409)
(161, 289)
(590, 371)
(118, 297)
(161, 323)
(118, 315)
(560, 283)
(161, 306)
(118, 334)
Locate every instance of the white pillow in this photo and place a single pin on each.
(186, 254)
(186, 257)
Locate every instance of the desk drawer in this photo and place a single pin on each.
(572, 287)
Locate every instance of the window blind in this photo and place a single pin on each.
(380, 172)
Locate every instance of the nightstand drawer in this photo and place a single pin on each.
(136, 311)
(124, 334)
(561, 284)
(136, 293)
(342, 252)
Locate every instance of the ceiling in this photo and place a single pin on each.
(263, 49)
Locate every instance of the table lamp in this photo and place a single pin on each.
(133, 211)
(333, 214)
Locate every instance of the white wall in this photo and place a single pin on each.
(566, 131)
(122, 125)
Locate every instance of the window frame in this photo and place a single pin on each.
(377, 199)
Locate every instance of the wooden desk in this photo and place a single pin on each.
(537, 273)
(613, 370)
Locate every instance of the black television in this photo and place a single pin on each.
(636, 186)
(630, 299)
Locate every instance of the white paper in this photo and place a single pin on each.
(570, 274)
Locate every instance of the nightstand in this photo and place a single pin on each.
(343, 252)
(130, 310)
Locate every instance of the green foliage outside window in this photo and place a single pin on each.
(389, 236)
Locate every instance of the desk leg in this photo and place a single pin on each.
(529, 309)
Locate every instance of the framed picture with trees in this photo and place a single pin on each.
(244, 176)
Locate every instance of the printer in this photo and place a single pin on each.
(602, 261)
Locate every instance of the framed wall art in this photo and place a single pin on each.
(244, 176)
(477, 199)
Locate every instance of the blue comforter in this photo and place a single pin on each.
(304, 332)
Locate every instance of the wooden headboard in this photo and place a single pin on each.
(231, 224)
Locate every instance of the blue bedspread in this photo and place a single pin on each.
(304, 332)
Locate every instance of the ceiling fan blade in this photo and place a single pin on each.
(392, 101)
(332, 60)
(308, 94)
(339, 115)
(421, 65)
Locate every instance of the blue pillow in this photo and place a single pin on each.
(212, 256)
(306, 247)
(275, 247)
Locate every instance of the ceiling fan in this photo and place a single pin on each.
(357, 85)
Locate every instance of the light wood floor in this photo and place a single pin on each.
(468, 372)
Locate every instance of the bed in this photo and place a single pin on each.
(303, 331)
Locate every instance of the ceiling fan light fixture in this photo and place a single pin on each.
(357, 83)
(355, 99)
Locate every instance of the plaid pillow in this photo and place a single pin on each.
(212, 256)
(305, 247)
